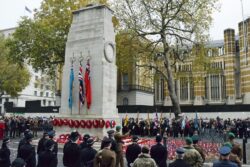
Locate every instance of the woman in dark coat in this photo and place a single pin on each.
(5, 153)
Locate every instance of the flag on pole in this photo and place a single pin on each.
(156, 121)
(183, 123)
(27, 9)
(196, 125)
(126, 120)
(81, 88)
(88, 85)
(71, 79)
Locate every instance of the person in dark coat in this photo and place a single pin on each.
(48, 158)
(84, 142)
(133, 150)
(71, 152)
(52, 134)
(224, 158)
(179, 162)
(23, 140)
(18, 162)
(27, 152)
(88, 154)
(159, 153)
(41, 146)
(5, 153)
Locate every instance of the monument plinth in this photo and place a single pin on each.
(91, 37)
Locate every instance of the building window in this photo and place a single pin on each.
(41, 94)
(47, 94)
(215, 87)
(7, 100)
(210, 53)
(41, 86)
(35, 93)
(159, 89)
(49, 103)
(47, 87)
(125, 81)
(125, 101)
(0, 100)
(221, 51)
(35, 85)
(44, 102)
(184, 88)
(36, 77)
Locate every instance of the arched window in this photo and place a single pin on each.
(125, 101)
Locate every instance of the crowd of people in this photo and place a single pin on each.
(110, 153)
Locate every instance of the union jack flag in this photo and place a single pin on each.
(81, 88)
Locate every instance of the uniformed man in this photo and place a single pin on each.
(195, 139)
(47, 158)
(179, 162)
(191, 155)
(88, 154)
(71, 152)
(84, 142)
(236, 146)
(52, 134)
(41, 147)
(105, 157)
(119, 152)
(27, 152)
(144, 159)
(133, 150)
(232, 156)
(159, 152)
(224, 158)
(111, 134)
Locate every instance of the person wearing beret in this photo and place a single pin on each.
(191, 155)
(232, 156)
(236, 146)
(179, 162)
(224, 158)
(133, 150)
(40, 146)
(5, 153)
(71, 151)
(88, 154)
(27, 152)
(84, 142)
(105, 157)
(119, 152)
(195, 139)
(48, 158)
(159, 152)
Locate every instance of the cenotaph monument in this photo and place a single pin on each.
(91, 39)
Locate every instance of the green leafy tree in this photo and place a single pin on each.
(41, 41)
(13, 78)
(170, 27)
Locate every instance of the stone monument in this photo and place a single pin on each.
(91, 37)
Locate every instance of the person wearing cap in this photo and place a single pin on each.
(24, 139)
(179, 162)
(18, 162)
(236, 146)
(133, 150)
(40, 146)
(159, 152)
(111, 134)
(88, 154)
(84, 142)
(144, 159)
(5, 153)
(224, 158)
(119, 152)
(71, 151)
(195, 139)
(27, 152)
(48, 158)
(52, 134)
(105, 157)
(191, 155)
(232, 156)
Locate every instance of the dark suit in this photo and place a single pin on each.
(159, 153)
(47, 159)
(179, 163)
(28, 154)
(87, 157)
(132, 153)
(5, 157)
(40, 146)
(71, 155)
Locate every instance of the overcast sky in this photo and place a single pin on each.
(228, 17)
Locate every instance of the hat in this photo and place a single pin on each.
(6, 140)
(86, 136)
(231, 135)
(145, 149)
(49, 144)
(45, 134)
(228, 144)
(188, 140)
(180, 150)
(18, 162)
(90, 142)
(74, 135)
(26, 132)
(29, 136)
(110, 132)
(106, 140)
(158, 138)
(195, 138)
(135, 138)
(117, 128)
(224, 150)
(51, 133)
